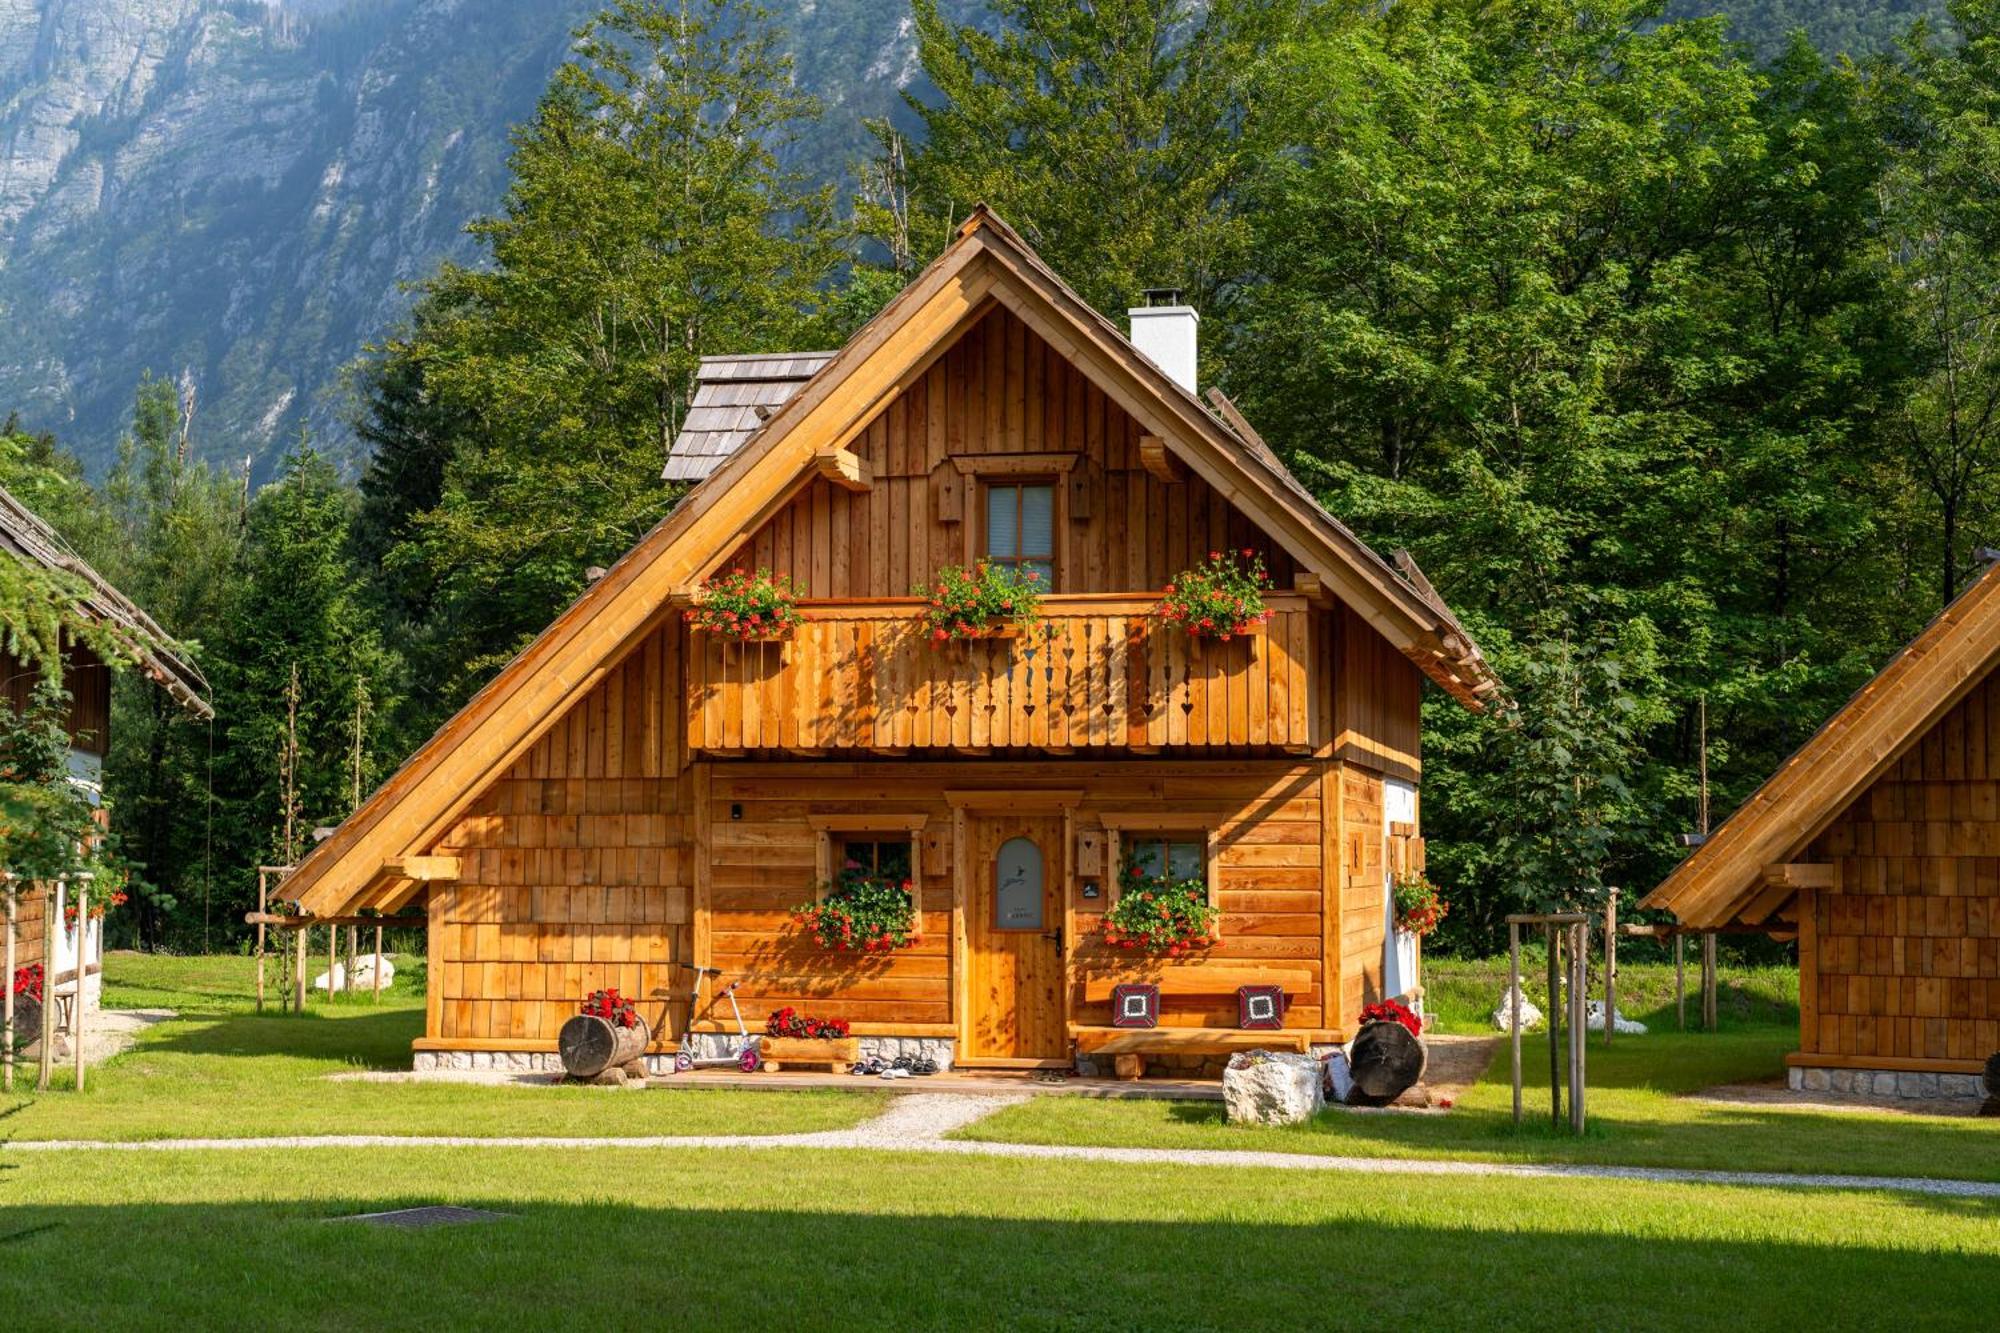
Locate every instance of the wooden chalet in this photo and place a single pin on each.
(1878, 845)
(87, 679)
(630, 796)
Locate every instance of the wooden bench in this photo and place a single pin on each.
(1129, 1047)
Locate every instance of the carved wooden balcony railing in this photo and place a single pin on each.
(1097, 672)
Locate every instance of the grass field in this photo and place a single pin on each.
(796, 1238)
(220, 1070)
(1639, 1115)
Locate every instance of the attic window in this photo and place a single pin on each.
(1021, 528)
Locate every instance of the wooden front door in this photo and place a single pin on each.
(1014, 920)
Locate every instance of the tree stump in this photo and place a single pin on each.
(589, 1045)
(1386, 1060)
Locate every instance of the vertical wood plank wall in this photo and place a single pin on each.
(88, 681)
(574, 868)
(1907, 948)
(1120, 529)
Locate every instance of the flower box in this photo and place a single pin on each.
(834, 1052)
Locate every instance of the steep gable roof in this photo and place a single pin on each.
(1728, 878)
(26, 537)
(988, 263)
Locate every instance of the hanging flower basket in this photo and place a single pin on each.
(1160, 915)
(1220, 599)
(987, 601)
(1419, 906)
(749, 608)
(98, 907)
(862, 913)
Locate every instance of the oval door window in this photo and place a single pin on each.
(1017, 886)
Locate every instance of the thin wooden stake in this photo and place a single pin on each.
(375, 972)
(1555, 1026)
(263, 906)
(51, 913)
(1680, 981)
(82, 967)
(332, 958)
(1579, 1037)
(1610, 965)
(1514, 994)
(1709, 1012)
(12, 890)
(299, 971)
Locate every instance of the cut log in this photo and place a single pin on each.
(589, 1045)
(1387, 1061)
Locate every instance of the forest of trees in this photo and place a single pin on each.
(1675, 362)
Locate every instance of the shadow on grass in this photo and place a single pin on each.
(379, 1040)
(617, 1265)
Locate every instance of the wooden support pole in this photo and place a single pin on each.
(76, 1006)
(263, 890)
(1555, 1012)
(1514, 999)
(51, 915)
(332, 958)
(1709, 1012)
(299, 970)
(1680, 982)
(375, 972)
(1579, 1036)
(1610, 965)
(12, 889)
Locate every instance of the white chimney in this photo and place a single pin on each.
(1164, 330)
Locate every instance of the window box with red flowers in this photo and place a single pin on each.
(1220, 599)
(1160, 914)
(862, 913)
(988, 601)
(749, 608)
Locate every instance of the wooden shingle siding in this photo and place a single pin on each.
(1908, 945)
(574, 873)
(1119, 529)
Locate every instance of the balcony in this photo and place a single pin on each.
(1098, 672)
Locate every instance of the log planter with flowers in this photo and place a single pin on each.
(1387, 1055)
(988, 601)
(1218, 600)
(606, 1038)
(747, 608)
(793, 1038)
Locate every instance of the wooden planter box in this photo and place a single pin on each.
(769, 636)
(835, 1053)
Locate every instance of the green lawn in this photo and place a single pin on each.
(221, 1070)
(797, 1239)
(1638, 1113)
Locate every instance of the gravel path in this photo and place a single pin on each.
(920, 1122)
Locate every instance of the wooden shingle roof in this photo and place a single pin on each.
(733, 396)
(25, 537)
(1736, 874)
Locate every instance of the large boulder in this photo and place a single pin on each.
(1593, 1020)
(1503, 1016)
(1272, 1088)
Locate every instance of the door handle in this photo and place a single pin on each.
(1055, 935)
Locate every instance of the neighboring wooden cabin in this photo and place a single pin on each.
(86, 678)
(630, 796)
(1878, 843)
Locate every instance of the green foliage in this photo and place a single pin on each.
(1159, 913)
(862, 912)
(648, 222)
(46, 825)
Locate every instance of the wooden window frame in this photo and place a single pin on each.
(1154, 826)
(827, 828)
(983, 542)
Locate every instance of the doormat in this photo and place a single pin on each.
(432, 1215)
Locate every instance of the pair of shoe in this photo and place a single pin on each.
(915, 1064)
(869, 1068)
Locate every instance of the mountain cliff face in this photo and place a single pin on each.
(234, 195)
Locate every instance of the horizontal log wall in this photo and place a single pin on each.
(1000, 390)
(573, 869)
(1903, 959)
(1095, 672)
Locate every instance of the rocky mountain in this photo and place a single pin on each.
(235, 195)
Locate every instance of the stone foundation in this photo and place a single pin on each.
(1903, 1084)
(708, 1045)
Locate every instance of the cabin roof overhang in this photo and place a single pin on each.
(1749, 867)
(987, 265)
